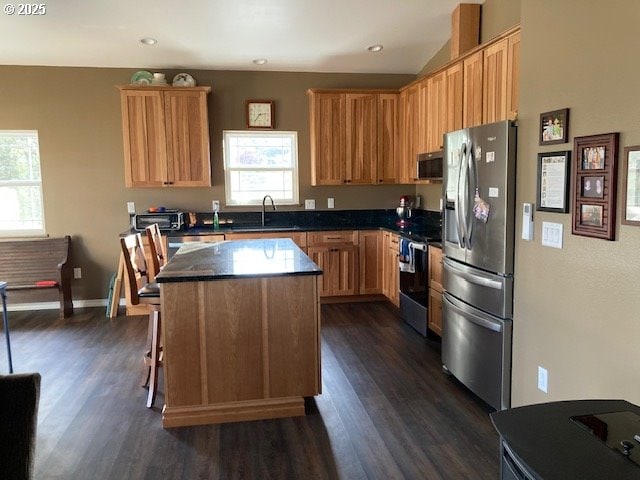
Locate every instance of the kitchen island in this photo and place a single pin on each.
(241, 331)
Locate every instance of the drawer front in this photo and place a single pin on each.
(331, 237)
(299, 238)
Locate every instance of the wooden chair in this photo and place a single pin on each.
(143, 291)
(157, 248)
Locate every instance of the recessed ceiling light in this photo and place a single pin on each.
(260, 61)
(375, 48)
(148, 41)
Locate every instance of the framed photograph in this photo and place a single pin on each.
(553, 181)
(591, 215)
(631, 186)
(593, 187)
(554, 127)
(595, 181)
(593, 158)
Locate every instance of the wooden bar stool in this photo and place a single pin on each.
(143, 291)
(157, 248)
(5, 321)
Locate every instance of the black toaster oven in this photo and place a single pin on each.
(167, 221)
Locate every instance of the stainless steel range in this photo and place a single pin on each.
(414, 283)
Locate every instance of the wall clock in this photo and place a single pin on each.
(260, 114)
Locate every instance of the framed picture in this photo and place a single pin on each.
(554, 127)
(553, 181)
(592, 187)
(631, 186)
(595, 181)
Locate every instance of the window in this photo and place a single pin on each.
(258, 164)
(20, 184)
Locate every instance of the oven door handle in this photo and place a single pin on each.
(418, 246)
(470, 277)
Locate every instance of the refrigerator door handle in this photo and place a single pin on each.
(473, 179)
(460, 219)
(470, 277)
(472, 316)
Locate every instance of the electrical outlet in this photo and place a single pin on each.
(310, 204)
(131, 208)
(331, 203)
(77, 273)
(543, 379)
(216, 205)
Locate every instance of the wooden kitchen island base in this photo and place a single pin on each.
(239, 348)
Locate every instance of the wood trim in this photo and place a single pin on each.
(232, 412)
(163, 88)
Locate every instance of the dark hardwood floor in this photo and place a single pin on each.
(386, 410)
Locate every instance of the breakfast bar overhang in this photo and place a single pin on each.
(241, 332)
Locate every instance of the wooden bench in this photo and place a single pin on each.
(32, 266)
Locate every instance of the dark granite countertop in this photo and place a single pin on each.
(544, 438)
(204, 261)
(424, 225)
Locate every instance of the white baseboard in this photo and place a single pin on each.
(22, 307)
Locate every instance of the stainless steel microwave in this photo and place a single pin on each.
(429, 166)
(168, 221)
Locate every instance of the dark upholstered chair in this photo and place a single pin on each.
(19, 396)
(142, 291)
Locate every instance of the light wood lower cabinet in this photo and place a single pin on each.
(371, 261)
(336, 253)
(435, 289)
(390, 271)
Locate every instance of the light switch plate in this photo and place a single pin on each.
(215, 204)
(131, 208)
(552, 234)
(310, 204)
(331, 203)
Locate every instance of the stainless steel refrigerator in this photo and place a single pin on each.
(478, 243)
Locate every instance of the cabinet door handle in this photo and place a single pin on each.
(333, 238)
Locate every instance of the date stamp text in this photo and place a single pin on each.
(27, 9)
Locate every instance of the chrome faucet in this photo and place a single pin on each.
(263, 202)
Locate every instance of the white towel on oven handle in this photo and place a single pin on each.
(406, 256)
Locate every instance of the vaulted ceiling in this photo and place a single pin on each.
(292, 35)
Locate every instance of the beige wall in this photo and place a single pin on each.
(77, 114)
(576, 309)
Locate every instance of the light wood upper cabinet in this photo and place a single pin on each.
(494, 82)
(513, 76)
(354, 137)
(410, 132)
(437, 111)
(423, 122)
(327, 136)
(472, 90)
(501, 72)
(388, 137)
(454, 101)
(166, 136)
(361, 138)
